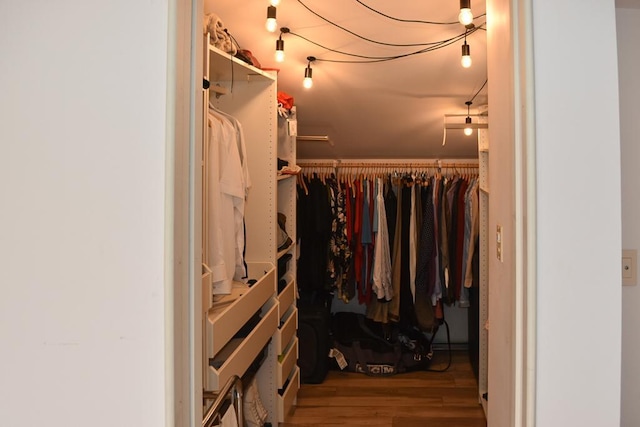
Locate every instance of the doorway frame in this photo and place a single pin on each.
(184, 121)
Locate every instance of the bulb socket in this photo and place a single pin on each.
(466, 49)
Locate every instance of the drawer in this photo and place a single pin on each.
(287, 399)
(230, 312)
(287, 297)
(287, 330)
(286, 363)
(238, 354)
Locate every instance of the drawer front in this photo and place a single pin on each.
(286, 363)
(288, 398)
(287, 297)
(287, 331)
(224, 324)
(239, 354)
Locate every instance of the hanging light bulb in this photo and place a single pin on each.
(275, 2)
(280, 50)
(468, 130)
(465, 60)
(280, 45)
(308, 74)
(272, 24)
(465, 16)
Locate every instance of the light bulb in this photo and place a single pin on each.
(280, 50)
(272, 24)
(465, 60)
(307, 82)
(308, 74)
(468, 130)
(465, 16)
(275, 2)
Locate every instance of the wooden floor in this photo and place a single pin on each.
(417, 399)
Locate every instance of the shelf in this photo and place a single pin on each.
(288, 398)
(285, 333)
(231, 312)
(238, 354)
(228, 68)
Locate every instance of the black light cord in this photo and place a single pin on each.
(415, 21)
(446, 368)
(358, 35)
(479, 90)
(372, 59)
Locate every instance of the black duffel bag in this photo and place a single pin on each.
(371, 348)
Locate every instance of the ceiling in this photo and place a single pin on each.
(385, 110)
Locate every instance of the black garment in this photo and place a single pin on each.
(391, 208)
(407, 313)
(313, 228)
(453, 244)
(425, 271)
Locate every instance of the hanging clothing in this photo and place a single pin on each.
(382, 254)
(229, 178)
(339, 256)
(366, 240)
(313, 231)
(412, 242)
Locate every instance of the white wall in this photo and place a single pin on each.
(578, 201)
(82, 188)
(628, 21)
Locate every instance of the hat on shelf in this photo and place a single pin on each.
(284, 240)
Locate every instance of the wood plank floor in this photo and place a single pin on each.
(416, 399)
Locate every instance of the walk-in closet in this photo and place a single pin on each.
(307, 230)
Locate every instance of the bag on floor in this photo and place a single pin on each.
(364, 346)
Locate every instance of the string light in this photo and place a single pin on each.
(271, 24)
(308, 73)
(275, 2)
(465, 60)
(466, 16)
(280, 45)
(468, 130)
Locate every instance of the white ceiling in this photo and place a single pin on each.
(388, 110)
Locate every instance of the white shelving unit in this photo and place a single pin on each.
(249, 94)
(288, 372)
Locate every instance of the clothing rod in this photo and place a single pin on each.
(388, 165)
